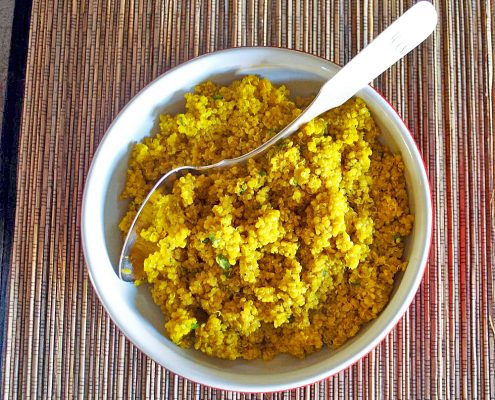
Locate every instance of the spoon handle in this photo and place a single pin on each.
(402, 36)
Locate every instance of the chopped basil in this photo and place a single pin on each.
(217, 97)
(262, 172)
(243, 189)
(194, 326)
(223, 262)
(212, 239)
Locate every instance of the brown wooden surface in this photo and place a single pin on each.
(88, 58)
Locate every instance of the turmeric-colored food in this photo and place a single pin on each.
(290, 252)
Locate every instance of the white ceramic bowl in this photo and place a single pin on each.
(132, 308)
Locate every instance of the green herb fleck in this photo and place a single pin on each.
(271, 132)
(194, 326)
(293, 181)
(355, 283)
(212, 239)
(325, 272)
(243, 189)
(397, 238)
(283, 144)
(223, 262)
(181, 119)
(217, 97)
(262, 172)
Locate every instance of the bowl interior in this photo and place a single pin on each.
(132, 308)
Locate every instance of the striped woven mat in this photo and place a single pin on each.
(86, 59)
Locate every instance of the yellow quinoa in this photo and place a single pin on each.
(290, 252)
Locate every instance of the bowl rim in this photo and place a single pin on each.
(255, 388)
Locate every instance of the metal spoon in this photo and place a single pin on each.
(407, 32)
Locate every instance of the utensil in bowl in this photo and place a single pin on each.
(402, 36)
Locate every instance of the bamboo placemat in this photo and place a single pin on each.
(86, 59)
